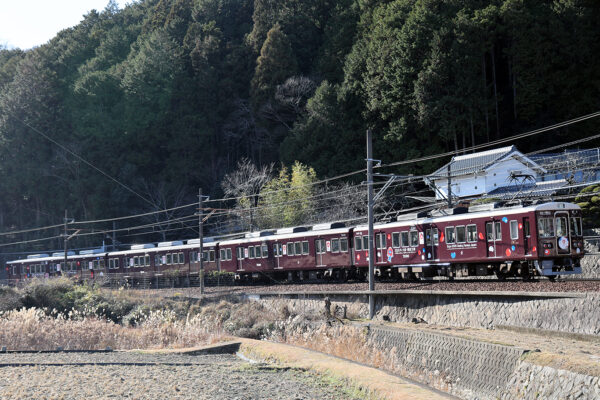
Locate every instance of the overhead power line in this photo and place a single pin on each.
(39, 132)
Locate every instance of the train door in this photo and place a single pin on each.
(241, 254)
(320, 249)
(563, 236)
(381, 247)
(493, 236)
(526, 236)
(277, 253)
(432, 242)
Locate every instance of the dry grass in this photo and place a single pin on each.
(35, 329)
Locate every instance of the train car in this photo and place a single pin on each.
(534, 240)
(543, 240)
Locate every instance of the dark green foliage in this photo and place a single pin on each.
(275, 64)
(167, 95)
(589, 201)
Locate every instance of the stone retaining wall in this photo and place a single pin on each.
(572, 315)
(466, 368)
(590, 268)
(530, 381)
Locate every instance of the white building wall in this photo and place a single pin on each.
(473, 185)
(498, 175)
(465, 186)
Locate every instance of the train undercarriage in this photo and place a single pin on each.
(549, 268)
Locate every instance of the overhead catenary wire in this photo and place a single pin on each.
(228, 211)
(39, 132)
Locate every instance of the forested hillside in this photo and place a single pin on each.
(168, 95)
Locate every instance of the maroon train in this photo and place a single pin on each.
(536, 240)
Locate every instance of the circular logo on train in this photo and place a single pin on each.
(390, 254)
(563, 242)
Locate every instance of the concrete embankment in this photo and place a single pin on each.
(563, 312)
(471, 345)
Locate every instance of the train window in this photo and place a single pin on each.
(169, 259)
(396, 239)
(305, 249)
(428, 237)
(257, 251)
(343, 245)
(298, 248)
(514, 230)
(471, 233)
(181, 259)
(275, 250)
(460, 234)
(357, 243)
(498, 231)
(404, 239)
(320, 246)
(575, 226)
(366, 242)
(489, 232)
(211, 256)
(290, 248)
(229, 254)
(265, 251)
(436, 236)
(251, 252)
(222, 254)
(102, 264)
(526, 229)
(561, 226)
(335, 245)
(414, 238)
(136, 262)
(450, 235)
(380, 241)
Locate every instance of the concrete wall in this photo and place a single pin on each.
(465, 367)
(574, 315)
(530, 381)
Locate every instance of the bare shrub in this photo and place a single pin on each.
(36, 329)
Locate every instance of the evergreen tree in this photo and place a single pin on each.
(275, 64)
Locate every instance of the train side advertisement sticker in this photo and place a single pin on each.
(421, 238)
(328, 245)
(284, 247)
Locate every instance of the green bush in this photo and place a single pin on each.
(59, 294)
(10, 299)
(589, 201)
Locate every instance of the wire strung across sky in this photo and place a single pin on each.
(324, 195)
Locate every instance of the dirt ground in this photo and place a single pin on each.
(133, 375)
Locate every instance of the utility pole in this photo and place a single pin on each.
(370, 217)
(66, 241)
(200, 234)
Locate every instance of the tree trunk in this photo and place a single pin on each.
(514, 87)
(472, 130)
(485, 107)
(495, 93)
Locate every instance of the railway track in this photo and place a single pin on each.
(484, 285)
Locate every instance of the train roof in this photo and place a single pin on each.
(490, 212)
(479, 211)
(286, 236)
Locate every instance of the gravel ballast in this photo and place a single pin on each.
(153, 376)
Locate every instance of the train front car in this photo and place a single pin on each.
(559, 239)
